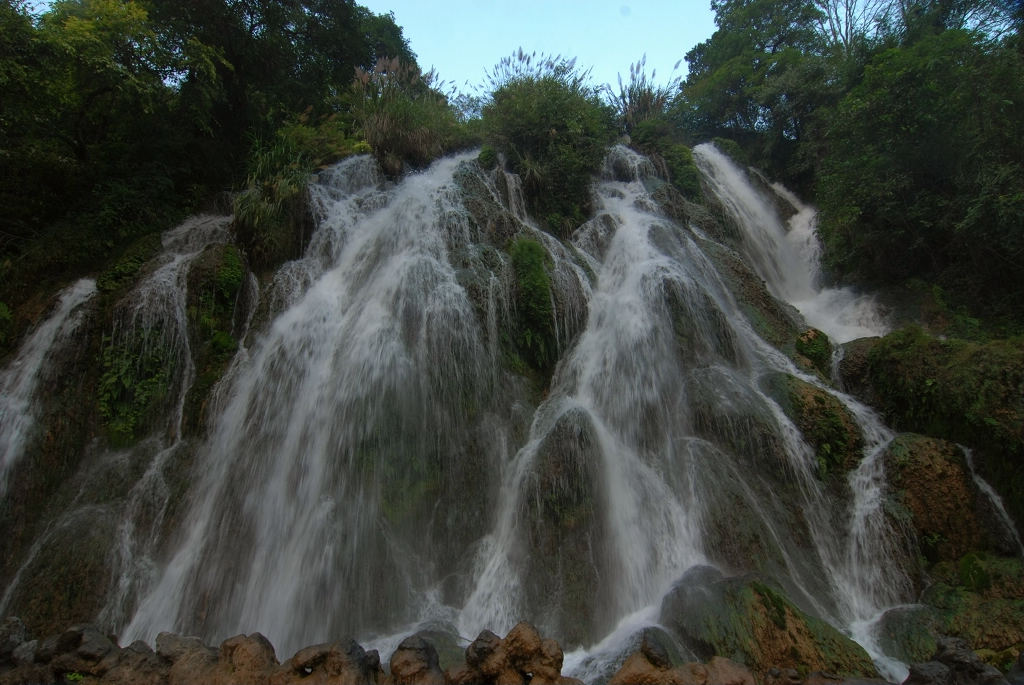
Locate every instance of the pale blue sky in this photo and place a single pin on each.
(463, 39)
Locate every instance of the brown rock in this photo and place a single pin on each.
(510, 676)
(487, 654)
(691, 674)
(246, 660)
(415, 663)
(137, 664)
(341, 663)
(196, 666)
(463, 674)
(172, 647)
(637, 670)
(934, 484)
(723, 671)
(523, 646)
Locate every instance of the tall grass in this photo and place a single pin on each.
(270, 211)
(642, 98)
(403, 115)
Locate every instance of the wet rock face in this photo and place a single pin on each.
(954, 664)
(933, 484)
(745, 619)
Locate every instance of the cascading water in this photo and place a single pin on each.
(365, 472)
(20, 380)
(377, 459)
(352, 464)
(785, 253)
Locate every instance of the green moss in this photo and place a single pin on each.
(488, 157)
(136, 376)
(744, 619)
(683, 173)
(962, 391)
(825, 423)
(535, 334)
(733, 150)
(973, 574)
(214, 283)
(816, 346)
(126, 269)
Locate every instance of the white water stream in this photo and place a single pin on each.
(20, 380)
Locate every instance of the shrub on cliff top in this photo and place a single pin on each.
(403, 116)
(271, 210)
(553, 130)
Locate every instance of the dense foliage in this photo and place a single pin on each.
(553, 129)
(901, 119)
(120, 116)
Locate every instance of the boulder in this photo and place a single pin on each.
(343, 661)
(934, 486)
(826, 424)
(980, 598)
(81, 649)
(486, 654)
(639, 669)
(136, 664)
(954, 664)
(727, 672)
(744, 619)
(815, 347)
(415, 663)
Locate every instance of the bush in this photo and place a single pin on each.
(403, 117)
(271, 211)
(553, 131)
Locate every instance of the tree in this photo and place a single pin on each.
(758, 79)
(924, 170)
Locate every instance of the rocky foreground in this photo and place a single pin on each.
(83, 654)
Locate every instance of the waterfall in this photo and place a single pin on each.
(996, 502)
(380, 458)
(20, 380)
(785, 251)
(351, 465)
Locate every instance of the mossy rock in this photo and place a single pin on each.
(980, 598)
(930, 480)
(965, 392)
(826, 424)
(817, 349)
(776, 322)
(488, 157)
(682, 170)
(535, 333)
(853, 368)
(68, 583)
(487, 205)
(562, 506)
(214, 282)
(910, 633)
(127, 268)
(744, 619)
